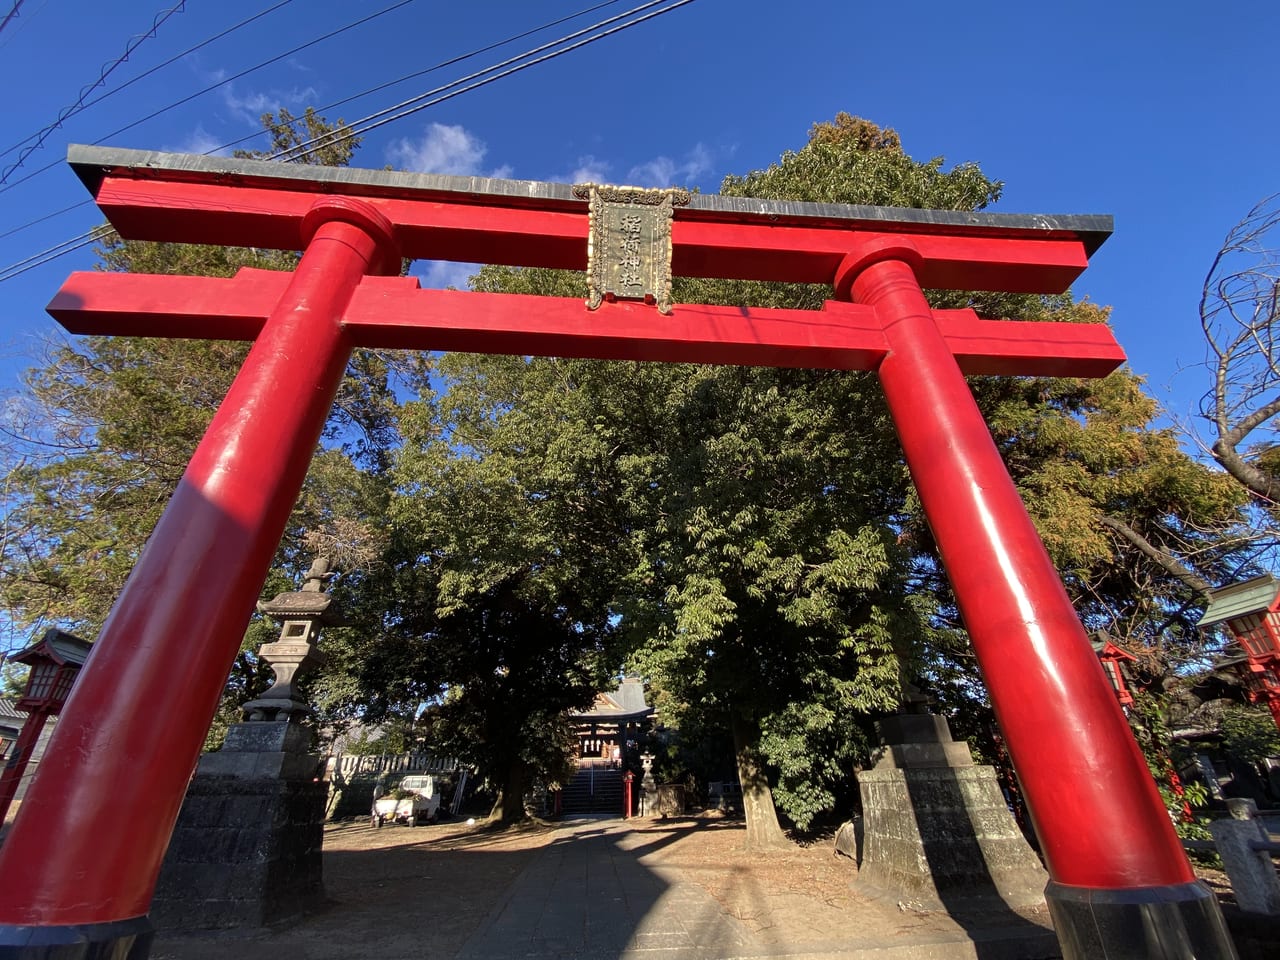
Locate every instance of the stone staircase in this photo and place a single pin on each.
(596, 788)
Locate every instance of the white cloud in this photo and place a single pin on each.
(590, 169)
(444, 273)
(200, 140)
(444, 149)
(252, 106)
(665, 172)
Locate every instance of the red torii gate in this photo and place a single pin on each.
(81, 861)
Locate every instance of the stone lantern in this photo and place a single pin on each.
(55, 660)
(301, 614)
(246, 851)
(646, 763)
(1251, 611)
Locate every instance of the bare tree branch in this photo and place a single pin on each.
(1169, 563)
(1239, 310)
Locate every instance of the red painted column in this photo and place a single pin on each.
(1096, 810)
(88, 842)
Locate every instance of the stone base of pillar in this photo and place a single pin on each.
(246, 851)
(937, 830)
(1144, 923)
(118, 940)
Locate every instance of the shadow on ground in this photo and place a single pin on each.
(681, 889)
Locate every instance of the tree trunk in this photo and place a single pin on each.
(757, 797)
(509, 805)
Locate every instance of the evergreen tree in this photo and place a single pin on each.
(98, 440)
(781, 574)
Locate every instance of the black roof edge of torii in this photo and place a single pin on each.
(92, 164)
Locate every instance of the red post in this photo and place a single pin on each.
(87, 845)
(1096, 809)
(1273, 704)
(627, 779)
(17, 762)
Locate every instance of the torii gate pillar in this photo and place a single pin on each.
(81, 861)
(1033, 650)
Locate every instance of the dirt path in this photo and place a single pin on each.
(437, 891)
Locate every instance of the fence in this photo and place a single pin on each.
(353, 766)
(1245, 846)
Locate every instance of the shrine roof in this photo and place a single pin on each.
(93, 164)
(624, 703)
(57, 645)
(1239, 599)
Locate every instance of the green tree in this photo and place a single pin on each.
(502, 557)
(1250, 734)
(96, 443)
(104, 429)
(783, 578)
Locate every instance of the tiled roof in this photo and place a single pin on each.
(1252, 596)
(626, 701)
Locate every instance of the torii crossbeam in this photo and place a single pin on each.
(82, 859)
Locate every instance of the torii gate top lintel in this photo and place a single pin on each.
(149, 195)
(199, 199)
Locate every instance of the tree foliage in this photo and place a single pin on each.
(503, 555)
(101, 435)
(783, 577)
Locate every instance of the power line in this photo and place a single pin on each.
(85, 105)
(17, 5)
(19, 28)
(107, 68)
(226, 80)
(91, 236)
(48, 216)
(439, 66)
(54, 252)
(307, 147)
(329, 106)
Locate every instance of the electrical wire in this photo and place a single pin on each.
(225, 80)
(310, 146)
(355, 132)
(329, 106)
(97, 233)
(48, 216)
(17, 5)
(54, 252)
(146, 73)
(24, 23)
(432, 69)
(107, 68)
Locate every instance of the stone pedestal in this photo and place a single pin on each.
(246, 849)
(668, 800)
(938, 833)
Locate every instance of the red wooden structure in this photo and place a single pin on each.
(1251, 612)
(55, 660)
(85, 850)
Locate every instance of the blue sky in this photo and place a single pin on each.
(1162, 115)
